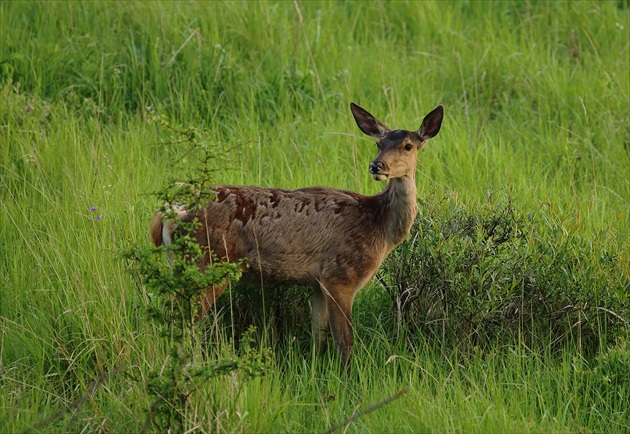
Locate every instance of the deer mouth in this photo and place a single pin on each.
(380, 176)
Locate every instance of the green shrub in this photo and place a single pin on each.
(173, 289)
(471, 275)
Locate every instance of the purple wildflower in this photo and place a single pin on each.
(93, 208)
(100, 216)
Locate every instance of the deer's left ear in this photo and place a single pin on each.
(431, 124)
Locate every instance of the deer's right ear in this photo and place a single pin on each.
(368, 123)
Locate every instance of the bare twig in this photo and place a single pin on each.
(370, 409)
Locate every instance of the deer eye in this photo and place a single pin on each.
(408, 147)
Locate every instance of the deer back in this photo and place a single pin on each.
(292, 236)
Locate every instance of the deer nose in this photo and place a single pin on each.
(376, 167)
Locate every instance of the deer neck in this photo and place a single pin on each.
(398, 202)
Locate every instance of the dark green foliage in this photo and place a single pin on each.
(283, 313)
(611, 370)
(173, 289)
(472, 275)
(182, 375)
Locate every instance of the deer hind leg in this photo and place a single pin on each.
(339, 306)
(212, 293)
(319, 320)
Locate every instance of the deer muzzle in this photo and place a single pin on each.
(378, 170)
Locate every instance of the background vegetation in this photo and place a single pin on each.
(524, 196)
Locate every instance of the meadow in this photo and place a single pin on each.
(536, 98)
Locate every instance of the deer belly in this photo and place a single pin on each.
(278, 269)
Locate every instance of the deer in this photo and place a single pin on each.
(331, 240)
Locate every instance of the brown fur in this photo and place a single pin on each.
(331, 240)
(156, 229)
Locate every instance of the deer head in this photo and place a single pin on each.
(398, 149)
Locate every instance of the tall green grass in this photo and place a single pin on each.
(536, 97)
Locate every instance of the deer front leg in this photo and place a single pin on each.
(339, 301)
(319, 320)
